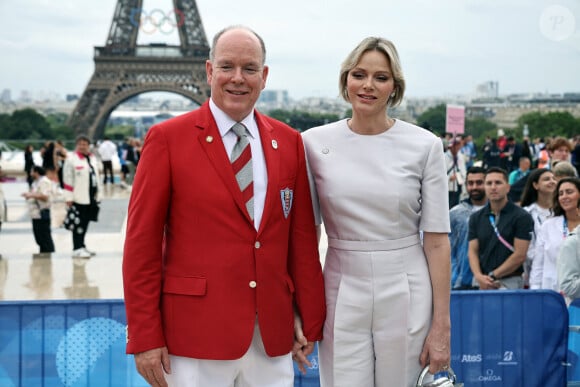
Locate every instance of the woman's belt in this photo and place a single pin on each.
(389, 244)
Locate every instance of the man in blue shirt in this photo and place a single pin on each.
(522, 171)
(461, 275)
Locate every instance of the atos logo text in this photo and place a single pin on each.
(471, 358)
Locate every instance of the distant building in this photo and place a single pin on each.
(487, 90)
(6, 96)
(274, 97)
(25, 96)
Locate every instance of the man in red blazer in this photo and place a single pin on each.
(212, 285)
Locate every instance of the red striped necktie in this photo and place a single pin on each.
(241, 159)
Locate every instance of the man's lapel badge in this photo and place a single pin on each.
(286, 195)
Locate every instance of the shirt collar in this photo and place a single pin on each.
(225, 123)
(504, 209)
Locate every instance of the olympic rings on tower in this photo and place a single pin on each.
(156, 20)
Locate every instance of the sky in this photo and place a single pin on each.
(447, 47)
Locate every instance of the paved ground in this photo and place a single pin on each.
(25, 277)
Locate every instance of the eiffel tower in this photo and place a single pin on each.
(124, 69)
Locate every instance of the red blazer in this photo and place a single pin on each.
(196, 272)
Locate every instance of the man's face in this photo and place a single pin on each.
(83, 147)
(236, 73)
(525, 164)
(475, 186)
(496, 186)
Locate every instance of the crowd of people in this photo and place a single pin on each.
(522, 214)
(76, 177)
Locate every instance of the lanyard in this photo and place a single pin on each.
(564, 227)
(501, 239)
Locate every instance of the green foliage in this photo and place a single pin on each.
(62, 132)
(480, 127)
(553, 123)
(433, 119)
(4, 123)
(119, 132)
(56, 119)
(24, 124)
(29, 125)
(301, 120)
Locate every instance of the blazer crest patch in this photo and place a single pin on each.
(286, 195)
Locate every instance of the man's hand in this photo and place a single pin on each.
(302, 347)
(151, 365)
(486, 282)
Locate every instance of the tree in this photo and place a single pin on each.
(60, 130)
(433, 119)
(301, 120)
(27, 124)
(553, 123)
(4, 125)
(480, 127)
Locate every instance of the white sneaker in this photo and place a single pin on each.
(81, 253)
(92, 253)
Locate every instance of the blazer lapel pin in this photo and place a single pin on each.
(274, 144)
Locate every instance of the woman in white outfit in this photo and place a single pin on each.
(569, 265)
(537, 200)
(553, 233)
(376, 182)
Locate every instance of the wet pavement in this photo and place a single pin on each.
(24, 275)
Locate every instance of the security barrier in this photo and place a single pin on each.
(574, 343)
(65, 343)
(509, 338)
(499, 338)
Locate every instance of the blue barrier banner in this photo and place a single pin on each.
(65, 343)
(509, 338)
(311, 378)
(499, 338)
(77, 343)
(574, 342)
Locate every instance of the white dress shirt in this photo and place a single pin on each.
(224, 124)
(544, 274)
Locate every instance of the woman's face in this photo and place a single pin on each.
(562, 153)
(546, 183)
(568, 196)
(370, 84)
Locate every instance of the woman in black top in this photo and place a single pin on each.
(28, 163)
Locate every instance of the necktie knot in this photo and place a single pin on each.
(240, 129)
